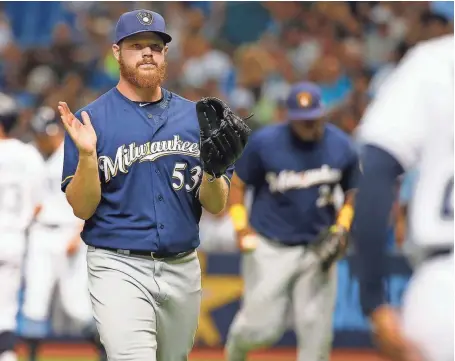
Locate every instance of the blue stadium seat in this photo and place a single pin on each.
(32, 21)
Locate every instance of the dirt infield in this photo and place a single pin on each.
(86, 352)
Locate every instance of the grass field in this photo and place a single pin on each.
(70, 352)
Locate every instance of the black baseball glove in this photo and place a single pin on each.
(223, 135)
(330, 246)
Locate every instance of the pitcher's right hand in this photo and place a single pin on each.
(82, 134)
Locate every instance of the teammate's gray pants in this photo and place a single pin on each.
(279, 279)
(145, 309)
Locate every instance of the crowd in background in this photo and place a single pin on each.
(247, 53)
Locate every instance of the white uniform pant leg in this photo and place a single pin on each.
(314, 297)
(73, 288)
(46, 257)
(11, 259)
(10, 280)
(428, 309)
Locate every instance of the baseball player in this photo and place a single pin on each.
(217, 233)
(293, 234)
(138, 168)
(55, 255)
(21, 180)
(409, 126)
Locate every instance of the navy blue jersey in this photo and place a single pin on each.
(294, 181)
(150, 172)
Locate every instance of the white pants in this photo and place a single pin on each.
(11, 254)
(10, 280)
(428, 309)
(47, 266)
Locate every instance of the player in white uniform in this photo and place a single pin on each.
(410, 125)
(217, 233)
(21, 174)
(56, 254)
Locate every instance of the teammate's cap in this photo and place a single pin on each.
(304, 102)
(140, 21)
(9, 112)
(45, 121)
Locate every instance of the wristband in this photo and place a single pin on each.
(345, 217)
(239, 216)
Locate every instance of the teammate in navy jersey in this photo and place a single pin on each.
(132, 170)
(294, 169)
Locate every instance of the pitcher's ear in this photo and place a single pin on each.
(116, 51)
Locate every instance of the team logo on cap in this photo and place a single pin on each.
(304, 99)
(145, 17)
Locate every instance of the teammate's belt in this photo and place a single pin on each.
(55, 225)
(282, 243)
(49, 225)
(155, 255)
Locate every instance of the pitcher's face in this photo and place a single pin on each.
(141, 58)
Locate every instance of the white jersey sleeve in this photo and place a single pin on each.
(412, 118)
(417, 93)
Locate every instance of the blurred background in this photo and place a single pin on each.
(247, 53)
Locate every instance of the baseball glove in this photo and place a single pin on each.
(330, 246)
(223, 135)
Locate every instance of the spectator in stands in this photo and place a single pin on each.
(5, 31)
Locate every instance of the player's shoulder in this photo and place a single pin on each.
(339, 136)
(26, 153)
(102, 102)
(100, 109)
(340, 142)
(269, 132)
(23, 149)
(182, 102)
(436, 54)
(442, 45)
(181, 99)
(32, 151)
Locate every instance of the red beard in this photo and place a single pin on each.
(140, 78)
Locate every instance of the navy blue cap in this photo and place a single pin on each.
(45, 121)
(304, 102)
(140, 21)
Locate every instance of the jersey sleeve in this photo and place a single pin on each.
(396, 119)
(228, 175)
(351, 172)
(70, 159)
(249, 167)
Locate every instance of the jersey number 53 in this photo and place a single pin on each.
(178, 176)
